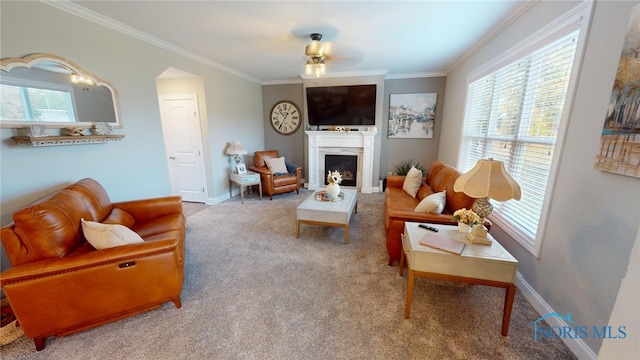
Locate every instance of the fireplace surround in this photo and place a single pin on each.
(359, 143)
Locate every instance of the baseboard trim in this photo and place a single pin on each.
(577, 346)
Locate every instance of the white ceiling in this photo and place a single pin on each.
(264, 41)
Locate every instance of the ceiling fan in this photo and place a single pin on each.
(316, 53)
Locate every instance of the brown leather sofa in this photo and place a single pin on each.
(59, 284)
(273, 184)
(399, 206)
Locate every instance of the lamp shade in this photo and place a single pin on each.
(488, 179)
(236, 148)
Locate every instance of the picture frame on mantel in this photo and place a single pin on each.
(412, 116)
(619, 151)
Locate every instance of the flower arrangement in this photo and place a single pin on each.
(465, 216)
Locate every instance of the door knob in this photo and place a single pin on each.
(172, 158)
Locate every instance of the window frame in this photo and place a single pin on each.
(576, 19)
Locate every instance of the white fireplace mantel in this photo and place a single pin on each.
(363, 140)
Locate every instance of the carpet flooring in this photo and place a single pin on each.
(254, 291)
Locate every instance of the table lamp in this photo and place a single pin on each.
(487, 179)
(236, 148)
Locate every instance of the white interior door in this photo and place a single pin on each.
(183, 143)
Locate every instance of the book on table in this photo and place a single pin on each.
(442, 243)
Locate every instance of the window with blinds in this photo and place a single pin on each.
(514, 115)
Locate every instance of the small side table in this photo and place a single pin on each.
(242, 180)
(489, 265)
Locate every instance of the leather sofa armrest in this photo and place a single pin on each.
(57, 266)
(395, 181)
(412, 216)
(146, 209)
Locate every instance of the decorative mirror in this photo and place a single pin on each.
(44, 90)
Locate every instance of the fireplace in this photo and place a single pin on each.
(357, 143)
(346, 165)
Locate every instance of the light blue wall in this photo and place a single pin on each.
(594, 215)
(135, 167)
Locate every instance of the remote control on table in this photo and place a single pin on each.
(425, 226)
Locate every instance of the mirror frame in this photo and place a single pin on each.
(30, 61)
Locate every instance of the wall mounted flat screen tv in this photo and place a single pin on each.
(350, 105)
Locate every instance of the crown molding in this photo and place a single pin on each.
(281, 82)
(382, 72)
(515, 14)
(416, 75)
(96, 18)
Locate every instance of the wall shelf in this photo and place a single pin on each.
(66, 140)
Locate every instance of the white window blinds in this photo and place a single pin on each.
(513, 115)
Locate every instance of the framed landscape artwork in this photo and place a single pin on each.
(412, 116)
(620, 141)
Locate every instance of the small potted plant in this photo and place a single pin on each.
(403, 167)
(466, 219)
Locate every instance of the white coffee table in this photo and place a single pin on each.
(489, 265)
(328, 213)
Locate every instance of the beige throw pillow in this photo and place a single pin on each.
(104, 236)
(412, 181)
(433, 203)
(277, 165)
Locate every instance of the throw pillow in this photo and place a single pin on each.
(277, 165)
(412, 181)
(104, 236)
(433, 203)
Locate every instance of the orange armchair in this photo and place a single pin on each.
(60, 284)
(274, 183)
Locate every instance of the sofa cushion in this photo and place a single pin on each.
(94, 196)
(433, 203)
(433, 170)
(446, 176)
(104, 236)
(159, 225)
(412, 181)
(52, 226)
(119, 216)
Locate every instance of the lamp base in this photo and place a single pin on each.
(478, 235)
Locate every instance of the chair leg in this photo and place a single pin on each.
(177, 302)
(40, 342)
(391, 261)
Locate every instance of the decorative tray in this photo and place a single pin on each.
(322, 196)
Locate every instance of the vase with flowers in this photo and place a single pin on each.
(466, 219)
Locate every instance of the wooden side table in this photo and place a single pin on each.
(489, 265)
(247, 179)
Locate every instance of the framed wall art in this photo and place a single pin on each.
(411, 116)
(619, 151)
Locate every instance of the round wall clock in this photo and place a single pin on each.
(285, 117)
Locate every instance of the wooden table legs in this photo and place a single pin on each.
(508, 305)
(510, 291)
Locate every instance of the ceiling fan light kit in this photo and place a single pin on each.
(315, 65)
